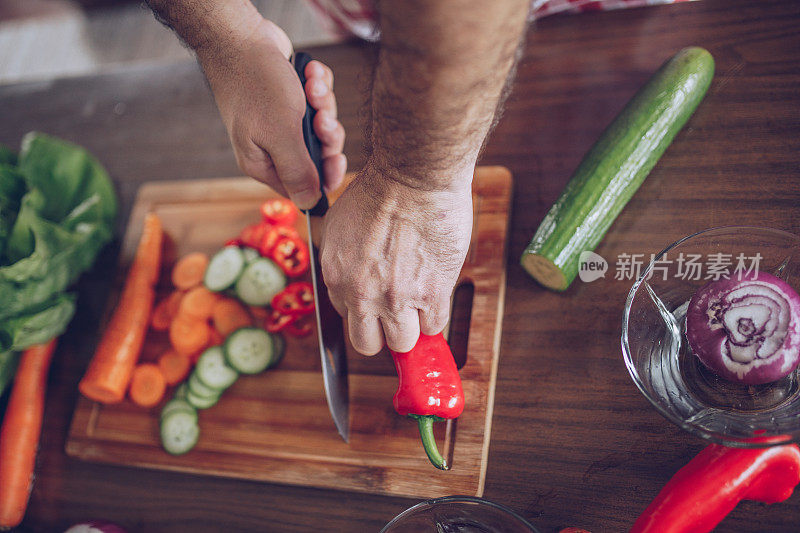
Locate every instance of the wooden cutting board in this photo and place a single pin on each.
(276, 426)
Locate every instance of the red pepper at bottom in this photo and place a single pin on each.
(704, 491)
(429, 389)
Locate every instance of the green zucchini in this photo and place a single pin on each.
(615, 167)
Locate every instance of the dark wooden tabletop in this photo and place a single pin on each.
(573, 442)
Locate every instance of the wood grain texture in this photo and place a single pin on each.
(573, 442)
(276, 426)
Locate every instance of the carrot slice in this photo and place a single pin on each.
(109, 372)
(259, 313)
(189, 334)
(160, 319)
(164, 312)
(174, 303)
(19, 435)
(198, 303)
(215, 338)
(188, 272)
(229, 315)
(175, 366)
(147, 385)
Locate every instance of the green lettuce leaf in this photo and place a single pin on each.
(63, 218)
(12, 188)
(39, 325)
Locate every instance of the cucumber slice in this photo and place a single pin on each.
(179, 432)
(198, 388)
(250, 254)
(213, 371)
(224, 269)
(615, 167)
(260, 281)
(249, 350)
(180, 392)
(177, 405)
(279, 348)
(201, 402)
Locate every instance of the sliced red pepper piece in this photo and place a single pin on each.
(233, 242)
(291, 254)
(277, 321)
(302, 326)
(272, 236)
(279, 211)
(296, 299)
(253, 234)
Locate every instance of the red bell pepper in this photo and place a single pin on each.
(252, 235)
(302, 326)
(279, 211)
(704, 491)
(272, 236)
(296, 299)
(291, 254)
(277, 321)
(429, 389)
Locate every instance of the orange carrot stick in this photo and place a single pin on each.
(109, 372)
(229, 315)
(174, 366)
(188, 272)
(147, 385)
(198, 303)
(19, 435)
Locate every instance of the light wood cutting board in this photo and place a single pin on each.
(276, 427)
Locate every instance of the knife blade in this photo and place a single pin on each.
(330, 331)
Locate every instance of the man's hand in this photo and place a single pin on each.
(259, 96)
(391, 255)
(395, 241)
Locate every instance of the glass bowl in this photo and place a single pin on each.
(663, 367)
(458, 514)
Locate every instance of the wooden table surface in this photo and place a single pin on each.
(573, 442)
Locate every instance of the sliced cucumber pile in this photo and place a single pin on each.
(259, 282)
(249, 350)
(179, 431)
(224, 269)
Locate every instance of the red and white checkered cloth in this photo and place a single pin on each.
(358, 17)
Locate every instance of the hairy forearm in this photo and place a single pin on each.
(439, 81)
(208, 25)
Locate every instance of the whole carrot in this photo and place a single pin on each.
(19, 435)
(109, 372)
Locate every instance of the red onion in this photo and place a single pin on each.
(748, 330)
(96, 526)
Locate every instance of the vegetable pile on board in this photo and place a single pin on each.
(222, 320)
(57, 209)
(746, 330)
(615, 167)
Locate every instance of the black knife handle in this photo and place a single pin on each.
(313, 143)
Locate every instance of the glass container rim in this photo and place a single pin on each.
(459, 499)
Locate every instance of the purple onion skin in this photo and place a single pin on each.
(96, 526)
(746, 331)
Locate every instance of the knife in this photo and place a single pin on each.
(330, 331)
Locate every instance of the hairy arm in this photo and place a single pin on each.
(395, 241)
(245, 58)
(439, 82)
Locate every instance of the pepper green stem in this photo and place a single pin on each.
(429, 441)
